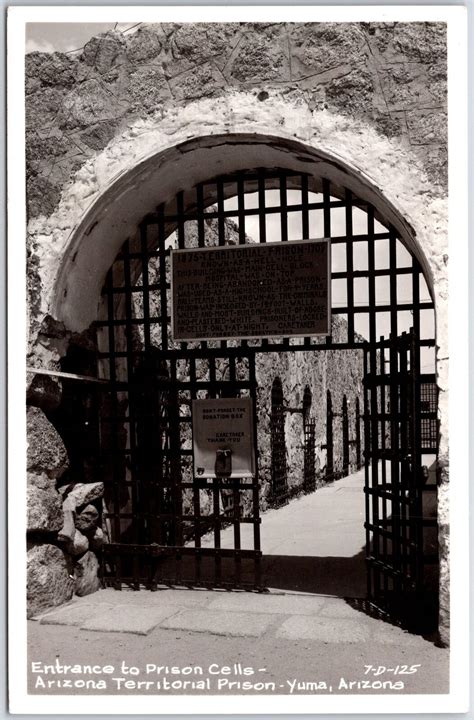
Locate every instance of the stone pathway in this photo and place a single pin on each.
(233, 614)
(315, 543)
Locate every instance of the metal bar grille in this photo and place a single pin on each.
(395, 482)
(173, 519)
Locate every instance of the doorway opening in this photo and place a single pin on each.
(165, 525)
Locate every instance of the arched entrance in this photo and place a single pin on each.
(157, 509)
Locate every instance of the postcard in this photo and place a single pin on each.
(237, 263)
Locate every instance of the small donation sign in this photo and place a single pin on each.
(277, 289)
(223, 444)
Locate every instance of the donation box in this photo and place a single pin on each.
(223, 438)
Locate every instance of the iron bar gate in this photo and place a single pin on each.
(165, 524)
(395, 481)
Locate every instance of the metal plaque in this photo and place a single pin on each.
(251, 291)
(223, 438)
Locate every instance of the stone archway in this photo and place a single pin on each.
(75, 300)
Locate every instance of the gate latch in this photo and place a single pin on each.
(223, 462)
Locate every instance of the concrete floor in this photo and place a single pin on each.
(303, 630)
(316, 543)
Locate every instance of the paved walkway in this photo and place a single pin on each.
(302, 629)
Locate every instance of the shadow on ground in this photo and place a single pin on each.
(338, 576)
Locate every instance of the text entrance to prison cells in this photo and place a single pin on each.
(288, 308)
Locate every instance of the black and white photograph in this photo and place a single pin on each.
(237, 259)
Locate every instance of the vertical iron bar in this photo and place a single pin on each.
(162, 277)
(283, 209)
(305, 227)
(393, 282)
(367, 484)
(383, 429)
(114, 428)
(137, 510)
(241, 208)
(262, 224)
(349, 268)
(327, 227)
(395, 419)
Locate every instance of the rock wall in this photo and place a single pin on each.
(391, 75)
(62, 524)
(340, 373)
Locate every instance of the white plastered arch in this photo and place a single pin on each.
(156, 158)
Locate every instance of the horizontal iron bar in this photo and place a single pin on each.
(203, 519)
(134, 549)
(69, 376)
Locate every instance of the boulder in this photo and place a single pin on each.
(78, 545)
(50, 581)
(87, 520)
(44, 505)
(86, 575)
(97, 540)
(66, 534)
(46, 452)
(104, 51)
(82, 494)
(44, 392)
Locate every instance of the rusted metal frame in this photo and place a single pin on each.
(130, 359)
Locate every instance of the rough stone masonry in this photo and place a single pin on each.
(369, 95)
